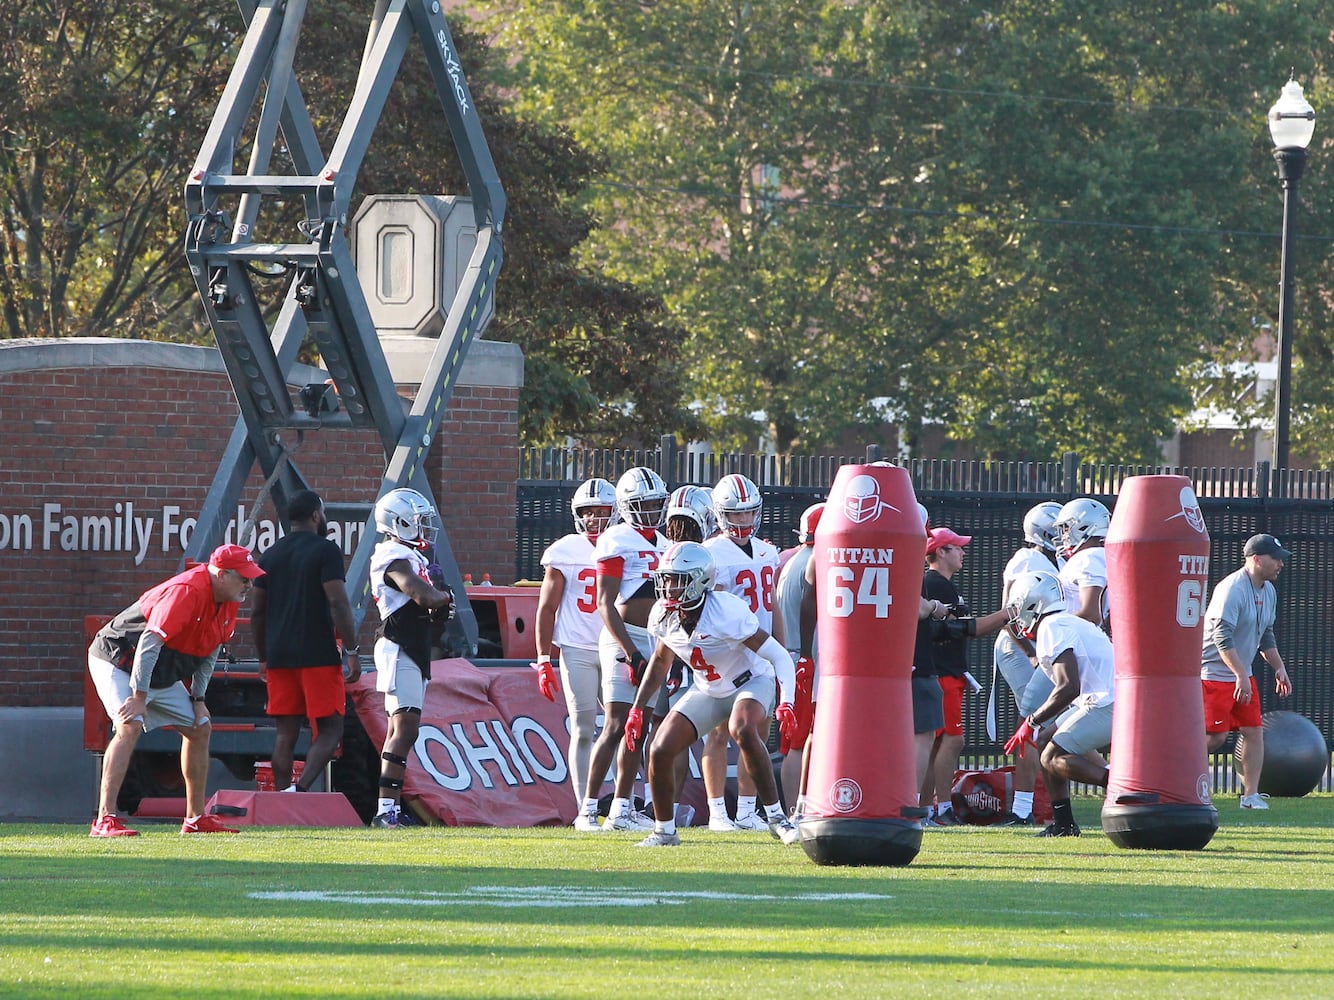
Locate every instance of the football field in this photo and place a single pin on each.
(479, 912)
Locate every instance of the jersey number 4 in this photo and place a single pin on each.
(703, 666)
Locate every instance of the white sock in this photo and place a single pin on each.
(718, 808)
(618, 808)
(943, 809)
(800, 807)
(291, 788)
(590, 807)
(664, 826)
(773, 812)
(388, 805)
(745, 805)
(1023, 804)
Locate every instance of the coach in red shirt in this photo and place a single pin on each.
(140, 662)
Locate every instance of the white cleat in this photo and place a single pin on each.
(1256, 801)
(721, 824)
(784, 830)
(752, 821)
(660, 839)
(587, 823)
(629, 820)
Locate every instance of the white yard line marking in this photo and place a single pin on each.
(553, 896)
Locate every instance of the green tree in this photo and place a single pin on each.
(102, 105)
(1027, 222)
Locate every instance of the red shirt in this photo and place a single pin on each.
(182, 611)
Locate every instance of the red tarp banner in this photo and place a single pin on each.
(491, 751)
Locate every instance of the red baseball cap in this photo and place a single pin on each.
(236, 557)
(940, 537)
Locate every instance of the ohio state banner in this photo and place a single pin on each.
(491, 751)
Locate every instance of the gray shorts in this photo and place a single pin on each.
(168, 706)
(928, 705)
(1080, 729)
(403, 687)
(616, 683)
(707, 713)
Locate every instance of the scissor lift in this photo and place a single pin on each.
(323, 296)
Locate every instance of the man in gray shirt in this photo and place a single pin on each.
(1238, 624)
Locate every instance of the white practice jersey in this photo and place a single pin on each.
(637, 552)
(1093, 654)
(1086, 568)
(750, 577)
(578, 622)
(1027, 560)
(715, 650)
(391, 550)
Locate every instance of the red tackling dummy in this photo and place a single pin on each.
(869, 551)
(1157, 574)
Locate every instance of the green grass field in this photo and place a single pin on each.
(550, 913)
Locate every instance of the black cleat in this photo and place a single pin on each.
(1012, 820)
(1061, 831)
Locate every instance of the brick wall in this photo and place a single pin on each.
(108, 449)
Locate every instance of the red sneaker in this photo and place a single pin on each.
(111, 826)
(206, 824)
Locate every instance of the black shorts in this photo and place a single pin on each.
(928, 705)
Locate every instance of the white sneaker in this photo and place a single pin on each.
(721, 824)
(783, 829)
(1256, 801)
(752, 821)
(659, 839)
(629, 820)
(587, 823)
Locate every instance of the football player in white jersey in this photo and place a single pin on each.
(568, 624)
(1011, 660)
(747, 566)
(1077, 656)
(626, 555)
(1081, 529)
(406, 601)
(735, 666)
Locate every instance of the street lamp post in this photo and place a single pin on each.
(1291, 125)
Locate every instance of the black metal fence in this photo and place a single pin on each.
(987, 500)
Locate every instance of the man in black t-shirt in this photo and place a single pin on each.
(949, 661)
(300, 612)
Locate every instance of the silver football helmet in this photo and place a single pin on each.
(684, 576)
(641, 498)
(1078, 521)
(408, 516)
(737, 505)
(587, 506)
(695, 503)
(1040, 525)
(1033, 595)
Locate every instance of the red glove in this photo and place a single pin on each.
(548, 681)
(1024, 734)
(675, 678)
(803, 701)
(634, 728)
(790, 735)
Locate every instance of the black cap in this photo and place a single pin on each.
(1266, 545)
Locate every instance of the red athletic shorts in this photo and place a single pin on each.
(952, 688)
(312, 692)
(1223, 713)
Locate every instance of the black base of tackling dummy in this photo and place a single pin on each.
(881, 842)
(1150, 827)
